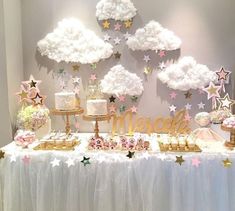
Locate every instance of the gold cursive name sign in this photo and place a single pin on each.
(129, 123)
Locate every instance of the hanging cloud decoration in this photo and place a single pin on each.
(121, 10)
(120, 81)
(72, 42)
(153, 37)
(187, 74)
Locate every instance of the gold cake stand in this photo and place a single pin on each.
(67, 113)
(97, 118)
(231, 143)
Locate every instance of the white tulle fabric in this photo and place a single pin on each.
(112, 182)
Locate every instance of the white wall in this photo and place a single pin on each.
(5, 127)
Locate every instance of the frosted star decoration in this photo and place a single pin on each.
(120, 81)
(212, 90)
(186, 74)
(72, 42)
(122, 10)
(153, 37)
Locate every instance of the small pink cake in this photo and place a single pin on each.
(229, 122)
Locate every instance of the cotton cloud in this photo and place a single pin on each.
(187, 74)
(153, 37)
(72, 42)
(121, 82)
(115, 9)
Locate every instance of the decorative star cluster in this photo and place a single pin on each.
(30, 93)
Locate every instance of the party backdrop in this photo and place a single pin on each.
(203, 26)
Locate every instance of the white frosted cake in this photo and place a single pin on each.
(65, 101)
(97, 107)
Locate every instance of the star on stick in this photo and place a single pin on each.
(179, 160)
(225, 102)
(2, 154)
(85, 161)
(222, 74)
(212, 90)
(23, 95)
(38, 99)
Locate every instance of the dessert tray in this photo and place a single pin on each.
(177, 148)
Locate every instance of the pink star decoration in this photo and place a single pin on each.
(196, 162)
(122, 98)
(133, 109)
(93, 77)
(187, 117)
(112, 109)
(162, 54)
(26, 159)
(173, 95)
(117, 26)
(223, 74)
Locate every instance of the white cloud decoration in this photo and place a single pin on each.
(120, 81)
(121, 10)
(72, 42)
(154, 37)
(186, 74)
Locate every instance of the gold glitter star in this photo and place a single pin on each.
(227, 163)
(148, 70)
(128, 24)
(188, 95)
(106, 24)
(117, 55)
(2, 154)
(76, 68)
(23, 95)
(179, 160)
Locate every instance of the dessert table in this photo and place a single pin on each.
(150, 181)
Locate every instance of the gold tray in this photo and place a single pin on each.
(63, 146)
(178, 149)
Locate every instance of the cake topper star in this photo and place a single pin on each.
(112, 99)
(179, 160)
(212, 90)
(85, 161)
(128, 24)
(76, 68)
(223, 74)
(227, 163)
(106, 24)
(32, 83)
(38, 99)
(117, 26)
(225, 102)
(23, 95)
(130, 154)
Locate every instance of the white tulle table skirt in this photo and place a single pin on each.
(113, 182)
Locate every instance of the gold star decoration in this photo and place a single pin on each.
(179, 160)
(212, 90)
(38, 99)
(31, 83)
(188, 95)
(148, 70)
(76, 68)
(93, 66)
(227, 163)
(2, 154)
(23, 95)
(106, 24)
(117, 55)
(128, 24)
(225, 102)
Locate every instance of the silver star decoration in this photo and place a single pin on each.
(55, 162)
(188, 106)
(76, 81)
(201, 105)
(70, 162)
(162, 156)
(172, 108)
(146, 58)
(12, 158)
(107, 37)
(117, 41)
(162, 65)
(127, 35)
